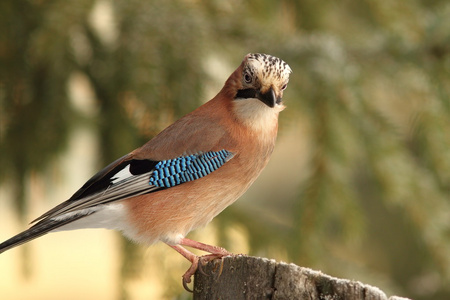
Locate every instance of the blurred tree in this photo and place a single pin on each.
(370, 77)
(33, 77)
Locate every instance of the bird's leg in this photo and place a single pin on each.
(193, 259)
(218, 251)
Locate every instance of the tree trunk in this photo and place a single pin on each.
(244, 277)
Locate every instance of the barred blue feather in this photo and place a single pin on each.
(169, 173)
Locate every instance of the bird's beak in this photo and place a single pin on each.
(269, 98)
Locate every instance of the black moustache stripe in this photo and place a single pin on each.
(246, 93)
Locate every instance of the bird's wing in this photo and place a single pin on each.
(128, 177)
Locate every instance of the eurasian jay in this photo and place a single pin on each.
(186, 175)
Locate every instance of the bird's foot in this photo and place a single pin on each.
(210, 257)
(186, 278)
(204, 259)
(198, 262)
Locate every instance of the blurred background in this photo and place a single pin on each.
(357, 187)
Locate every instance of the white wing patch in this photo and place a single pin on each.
(122, 175)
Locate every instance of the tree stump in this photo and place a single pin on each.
(243, 277)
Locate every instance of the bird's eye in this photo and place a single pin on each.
(284, 87)
(247, 78)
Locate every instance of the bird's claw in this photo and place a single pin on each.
(187, 276)
(210, 257)
(200, 267)
(197, 264)
(185, 284)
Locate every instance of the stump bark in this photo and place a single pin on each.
(243, 277)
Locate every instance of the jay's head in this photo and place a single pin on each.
(263, 77)
(258, 86)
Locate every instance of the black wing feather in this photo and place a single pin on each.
(101, 181)
(39, 229)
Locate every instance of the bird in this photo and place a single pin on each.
(187, 174)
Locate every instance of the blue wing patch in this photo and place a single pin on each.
(169, 173)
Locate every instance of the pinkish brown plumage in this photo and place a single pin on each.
(241, 121)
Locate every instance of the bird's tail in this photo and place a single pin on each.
(39, 229)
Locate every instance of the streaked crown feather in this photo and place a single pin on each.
(268, 66)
